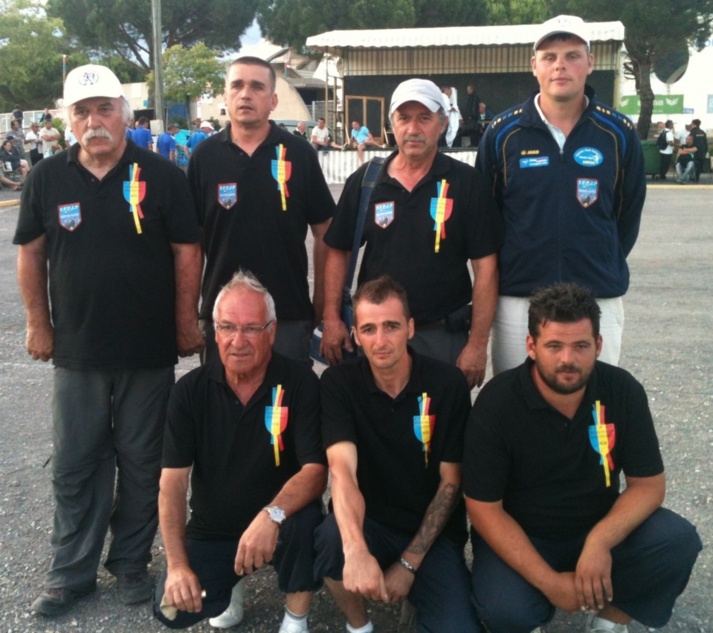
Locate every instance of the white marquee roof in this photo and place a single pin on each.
(449, 36)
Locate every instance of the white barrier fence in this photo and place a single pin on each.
(337, 166)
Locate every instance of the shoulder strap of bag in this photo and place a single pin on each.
(371, 176)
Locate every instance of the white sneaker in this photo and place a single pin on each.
(294, 627)
(233, 615)
(539, 629)
(596, 624)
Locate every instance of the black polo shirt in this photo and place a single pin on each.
(546, 468)
(230, 446)
(111, 275)
(396, 476)
(402, 240)
(255, 211)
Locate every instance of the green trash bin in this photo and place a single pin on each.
(652, 157)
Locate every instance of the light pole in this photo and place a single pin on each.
(157, 59)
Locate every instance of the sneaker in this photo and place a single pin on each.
(134, 587)
(600, 625)
(539, 629)
(233, 615)
(56, 601)
(294, 627)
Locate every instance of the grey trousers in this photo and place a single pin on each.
(437, 342)
(107, 430)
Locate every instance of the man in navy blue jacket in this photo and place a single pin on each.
(568, 175)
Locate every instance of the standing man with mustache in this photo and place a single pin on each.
(568, 175)
(109, 270)
(428, 216)
(258, 189)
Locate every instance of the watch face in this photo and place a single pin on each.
(277, 514)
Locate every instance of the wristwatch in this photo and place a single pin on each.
(276, 514)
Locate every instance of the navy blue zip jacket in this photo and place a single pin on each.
(571, 215)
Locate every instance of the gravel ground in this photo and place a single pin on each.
(667, 345)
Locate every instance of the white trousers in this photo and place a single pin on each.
(510, 331)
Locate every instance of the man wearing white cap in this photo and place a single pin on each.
(109, 270)
(205, 129)
(568, 175)
(428, 216)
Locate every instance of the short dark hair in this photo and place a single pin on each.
(321, 119)
(142, 120)
(562, 303)
(696, 122)
(379, 290)
(669, 123)
(247, 60)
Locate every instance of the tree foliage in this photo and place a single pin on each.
(125, 26)
(31, 49)
(189, 73)
(653, 28)
(516, 11)
(291, 22)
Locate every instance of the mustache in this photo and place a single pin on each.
(419, 138)
(98, 133)
(568, 368)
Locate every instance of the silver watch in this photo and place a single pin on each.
(277, 514)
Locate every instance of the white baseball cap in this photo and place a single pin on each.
(571, 24)
(207, 124)
(423, 91)
(91, 80)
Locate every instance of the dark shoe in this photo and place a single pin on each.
(135, 587)
(56, 601)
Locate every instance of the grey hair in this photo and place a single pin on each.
(245, 280)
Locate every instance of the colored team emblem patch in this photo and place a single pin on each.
(384, 214)
(70, 215)
(534, 161)
(423, 424)
(587, 191)
(281, 172)
(276, 421)
(602, 437)
(588, 157)
(228, 194)
(134, 193)
(441, 209)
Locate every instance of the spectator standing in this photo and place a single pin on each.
(700, 141)
(166, 143)
(35, 143)
(667, 152)
(201, 134)
(50, 139)
(142, 135)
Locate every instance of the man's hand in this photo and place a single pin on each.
(40, 342)
(189, 338)
(593, 578)
(472, 362)
(257, 545)
(335, 336)
(398, 581)
(562, 592)
(183, 590)
(363, 575)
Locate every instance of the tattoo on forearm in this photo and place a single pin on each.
(437, 515)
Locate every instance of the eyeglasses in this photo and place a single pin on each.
(229, 330)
